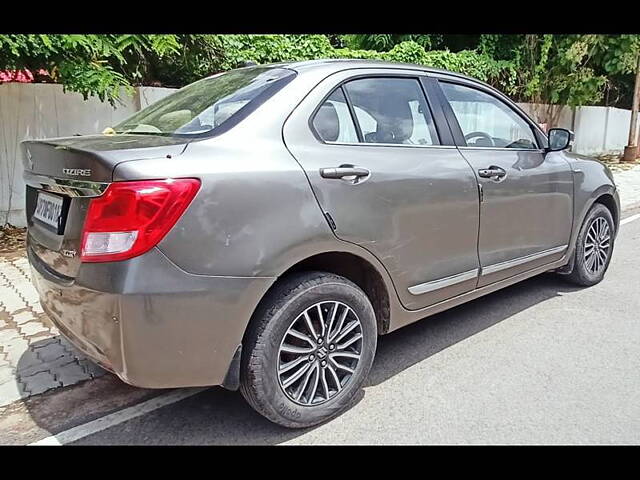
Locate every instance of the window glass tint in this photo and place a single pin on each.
(392, 110)
(206, 104)
(333, 121)
(486, 121)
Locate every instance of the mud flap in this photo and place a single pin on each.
(568, 268)
(232, 378)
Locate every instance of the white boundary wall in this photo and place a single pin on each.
(598, 130)
(33, 111)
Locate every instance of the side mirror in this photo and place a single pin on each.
(560, 139)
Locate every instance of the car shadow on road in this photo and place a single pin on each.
(218, 416)
(414, 343)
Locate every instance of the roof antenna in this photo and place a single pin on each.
(248, 63)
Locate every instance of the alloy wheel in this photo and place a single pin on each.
(597, 245)
(319, 353)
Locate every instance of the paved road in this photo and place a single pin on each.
(539, 362)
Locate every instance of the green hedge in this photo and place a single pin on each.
(284, 48)
(103, 64)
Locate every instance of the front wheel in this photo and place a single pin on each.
(308, 350)
(594, 247)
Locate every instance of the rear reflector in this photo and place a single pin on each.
(130, 218)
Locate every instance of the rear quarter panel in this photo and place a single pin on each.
(254, 209)
(255, 213)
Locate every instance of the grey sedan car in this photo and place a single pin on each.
(260, 228)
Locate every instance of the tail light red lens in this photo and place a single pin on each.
(130, 218)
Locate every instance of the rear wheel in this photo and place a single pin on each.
(308, 350)
(594, 247)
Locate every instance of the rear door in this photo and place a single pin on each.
(389, 178)
(527, 196)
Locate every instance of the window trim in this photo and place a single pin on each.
(457, 132)
(413, 75)
(352, 112)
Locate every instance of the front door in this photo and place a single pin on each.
(378, 166)
(526, 195)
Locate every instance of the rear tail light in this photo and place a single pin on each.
(130, 218)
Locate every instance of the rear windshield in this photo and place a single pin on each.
(209, 106)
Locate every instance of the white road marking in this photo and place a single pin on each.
(121, 416)
(630, 219)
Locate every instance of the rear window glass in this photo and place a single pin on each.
(210, 105)
(392, 111)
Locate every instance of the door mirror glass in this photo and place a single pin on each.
(559, 139)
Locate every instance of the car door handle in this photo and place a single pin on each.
(341, 172)
(492, 172)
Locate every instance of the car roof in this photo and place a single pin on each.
(333, 65)
(338, 64)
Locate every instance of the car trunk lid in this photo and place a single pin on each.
(62, 175)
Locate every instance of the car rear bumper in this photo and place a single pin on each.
(148, 321)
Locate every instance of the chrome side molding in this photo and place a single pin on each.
(66, 186)
(471, 274)
(443, 282)
(497, 267)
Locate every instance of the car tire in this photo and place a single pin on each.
(590, 266)
(266, 367)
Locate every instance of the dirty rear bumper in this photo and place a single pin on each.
(148, 321)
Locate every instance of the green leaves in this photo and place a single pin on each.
(569, 69)
(548, 69)
(383, 42)
(93, 78)
(617, 53)
(100, 65)
(273, 48)
(164, 44)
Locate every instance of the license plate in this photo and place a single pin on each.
(48, 209)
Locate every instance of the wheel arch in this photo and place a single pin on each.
(347, 264)
(605, 195)
(353, 267)
(609, 201)
(360, 271)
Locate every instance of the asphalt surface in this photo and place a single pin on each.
(539, 362)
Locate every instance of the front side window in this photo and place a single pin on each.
(208, 104)
(392, 111)
(487, 121)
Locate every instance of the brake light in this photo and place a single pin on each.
(130, 218)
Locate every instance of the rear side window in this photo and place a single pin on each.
(392, 111)
(209, 106)
(332, 122)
